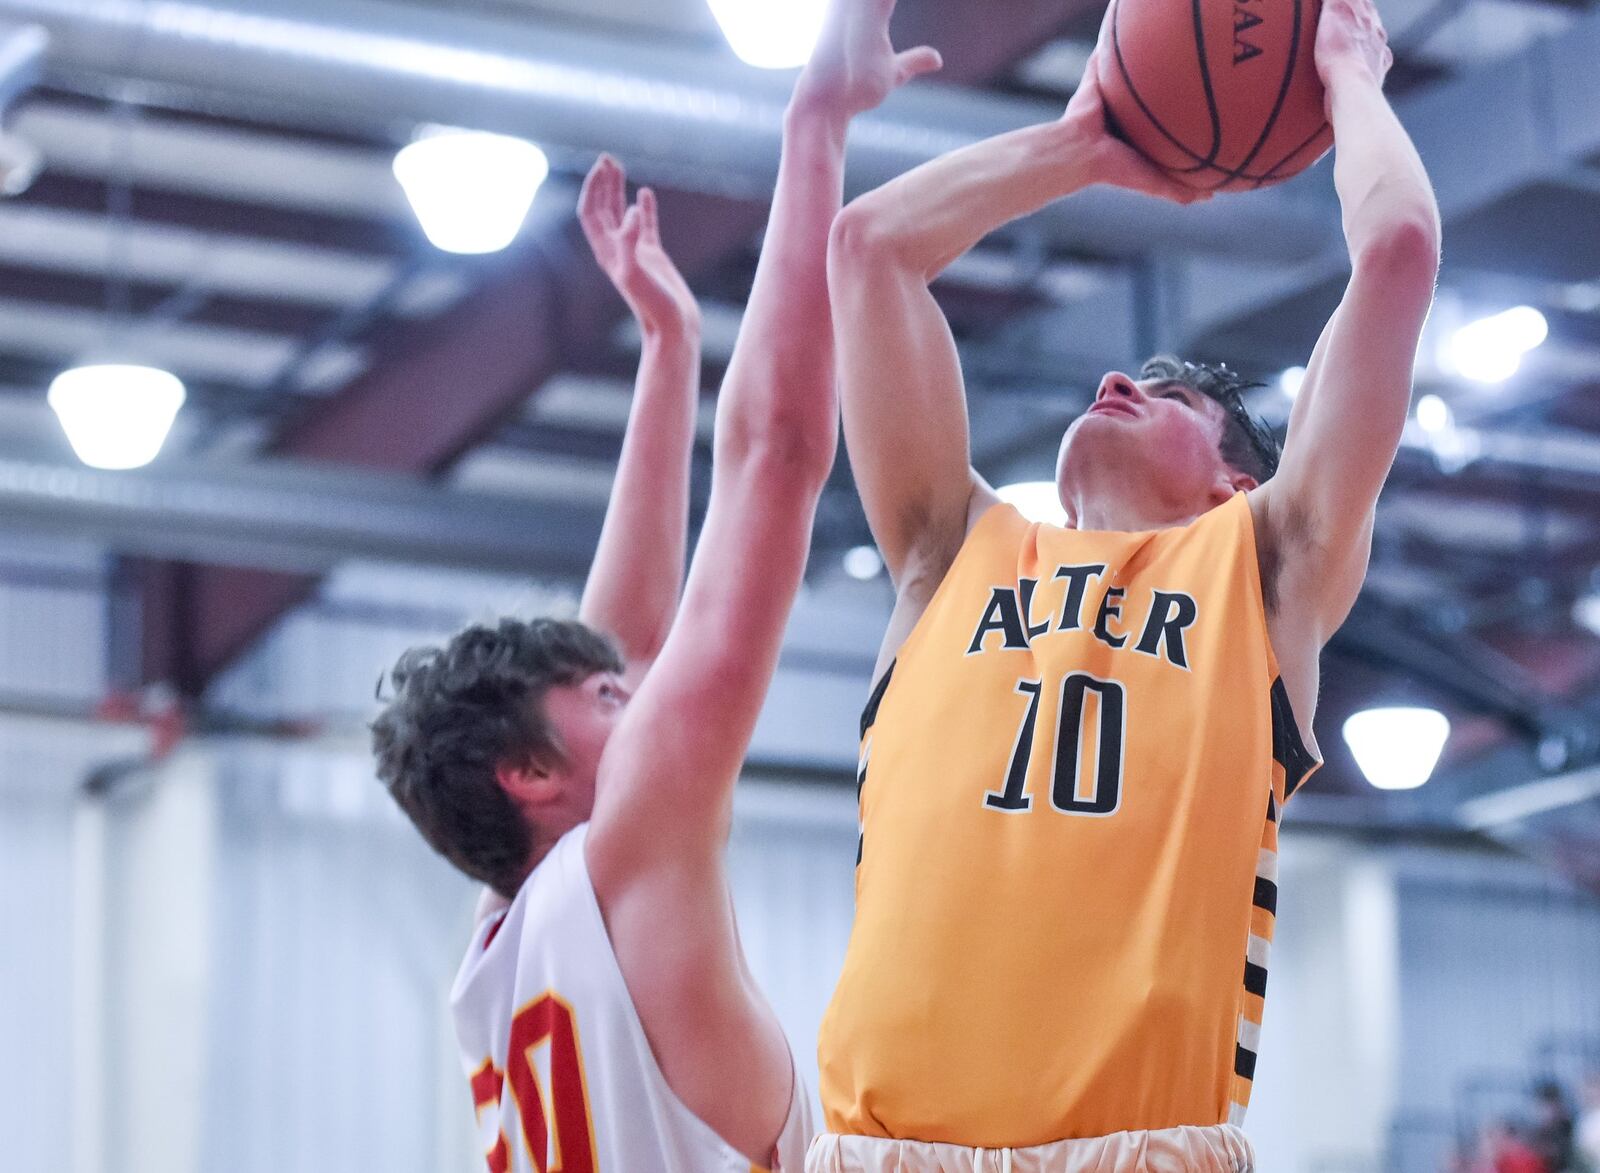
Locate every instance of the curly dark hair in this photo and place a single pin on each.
(1248, 445)
(459, 712)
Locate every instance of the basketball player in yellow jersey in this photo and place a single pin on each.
(1081, 739)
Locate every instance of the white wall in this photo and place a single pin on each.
(305, 1029)
(241, 961)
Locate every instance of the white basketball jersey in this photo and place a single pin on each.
(562, 1075)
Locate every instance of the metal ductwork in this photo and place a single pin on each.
(297, 518)
(22, 52)
(679, 117)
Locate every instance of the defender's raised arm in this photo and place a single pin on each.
(684, 737)
(663, 799)
(637, 574)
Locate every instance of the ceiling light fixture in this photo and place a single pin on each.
(116, 416)
(863, 563)
(1491, 350)
(1434, 415)
(1291, 380)
(771, 34)
(1586, 613)
(470, 190)
(1397, 748)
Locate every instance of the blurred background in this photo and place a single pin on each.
(364, 414)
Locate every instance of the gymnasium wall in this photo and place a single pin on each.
(240, 960)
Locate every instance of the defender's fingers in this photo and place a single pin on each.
(632, 225)
(650, 223)
(600, 203)
(916, 62)
(589, 196)
(616, 191)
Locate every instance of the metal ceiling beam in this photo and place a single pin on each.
(679, 116)
(1459, 668)
(988, 48)
(22, 55)
(300, 518)
(443, 386)
(80, 291)
(1538, 131)
(446, 385)
(40, 237)
(204, 152)
(229, 217)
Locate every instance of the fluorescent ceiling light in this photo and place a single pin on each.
(1490, 350)
(1291, 380)
(771, 34)
(1036, 501)
(863, 562)
(1586, 613)
(1433, 414)
(470, 190)
(1397, 748)
(116, 416)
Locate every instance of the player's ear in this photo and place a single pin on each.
(1228, 482)
(528, 780)
(1241, 482)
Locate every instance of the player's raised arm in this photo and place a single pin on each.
(904, 406)
(637, 574)
(666, 779)
(1347, 419)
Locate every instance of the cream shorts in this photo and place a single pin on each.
(1222, 1149)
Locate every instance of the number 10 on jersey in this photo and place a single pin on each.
(1086, 769)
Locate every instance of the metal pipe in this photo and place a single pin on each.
(300, 519)
(22, 55)
(679, 116)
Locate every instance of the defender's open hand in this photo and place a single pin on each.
(626, 241)
(855, 66)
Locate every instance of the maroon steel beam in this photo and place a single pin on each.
(981, 44)
(452, 382)
(373, 236)
(87, 292)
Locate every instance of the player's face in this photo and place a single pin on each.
(1156, 429)
(584, 714)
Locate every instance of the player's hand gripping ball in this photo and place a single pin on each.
(1221, 95)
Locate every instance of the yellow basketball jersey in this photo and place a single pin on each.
(1070, 785)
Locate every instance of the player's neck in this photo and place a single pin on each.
(549, 830)
(1123, 511)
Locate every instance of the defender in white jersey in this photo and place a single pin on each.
(608, 1106)
(584, 771)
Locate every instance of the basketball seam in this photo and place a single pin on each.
(1272, 173)
(1207, 163)
(1205, 80)
(1277, 106)
(1127, 79)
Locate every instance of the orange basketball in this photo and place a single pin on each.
(1222, 95)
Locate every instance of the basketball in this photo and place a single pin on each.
(1222, 95)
